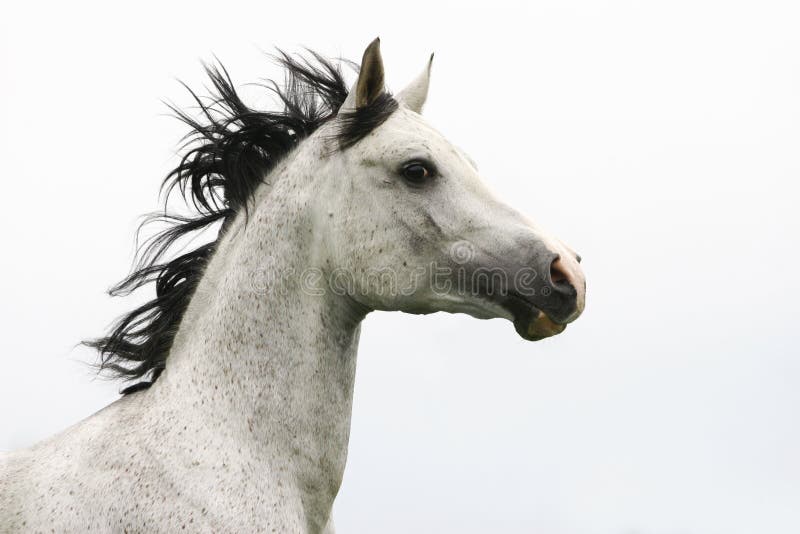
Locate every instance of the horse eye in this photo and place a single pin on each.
(417, 172)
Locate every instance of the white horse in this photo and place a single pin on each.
(343, 203)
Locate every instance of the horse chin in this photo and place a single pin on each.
(536, 325)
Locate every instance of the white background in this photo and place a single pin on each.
(659, 139)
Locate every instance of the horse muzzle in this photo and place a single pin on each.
(544, 308)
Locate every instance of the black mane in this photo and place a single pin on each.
(228, 152)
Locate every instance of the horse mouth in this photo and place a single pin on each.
(531, 323)
(537, 326)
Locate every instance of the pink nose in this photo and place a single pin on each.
(568, 282)
(558, 274)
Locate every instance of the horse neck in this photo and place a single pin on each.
(266, 361)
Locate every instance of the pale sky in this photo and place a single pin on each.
(658, 139)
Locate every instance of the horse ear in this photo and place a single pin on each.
(370, 79)
(415, 94)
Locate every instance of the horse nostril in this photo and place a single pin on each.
(558, 274)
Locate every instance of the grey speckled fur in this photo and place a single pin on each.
(247, 428)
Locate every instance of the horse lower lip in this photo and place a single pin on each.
(537, 326)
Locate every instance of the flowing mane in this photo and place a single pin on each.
(229, 151)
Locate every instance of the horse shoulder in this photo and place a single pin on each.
(64, 481)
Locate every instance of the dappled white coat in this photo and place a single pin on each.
(247, 428)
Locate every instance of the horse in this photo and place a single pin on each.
(241, 368)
